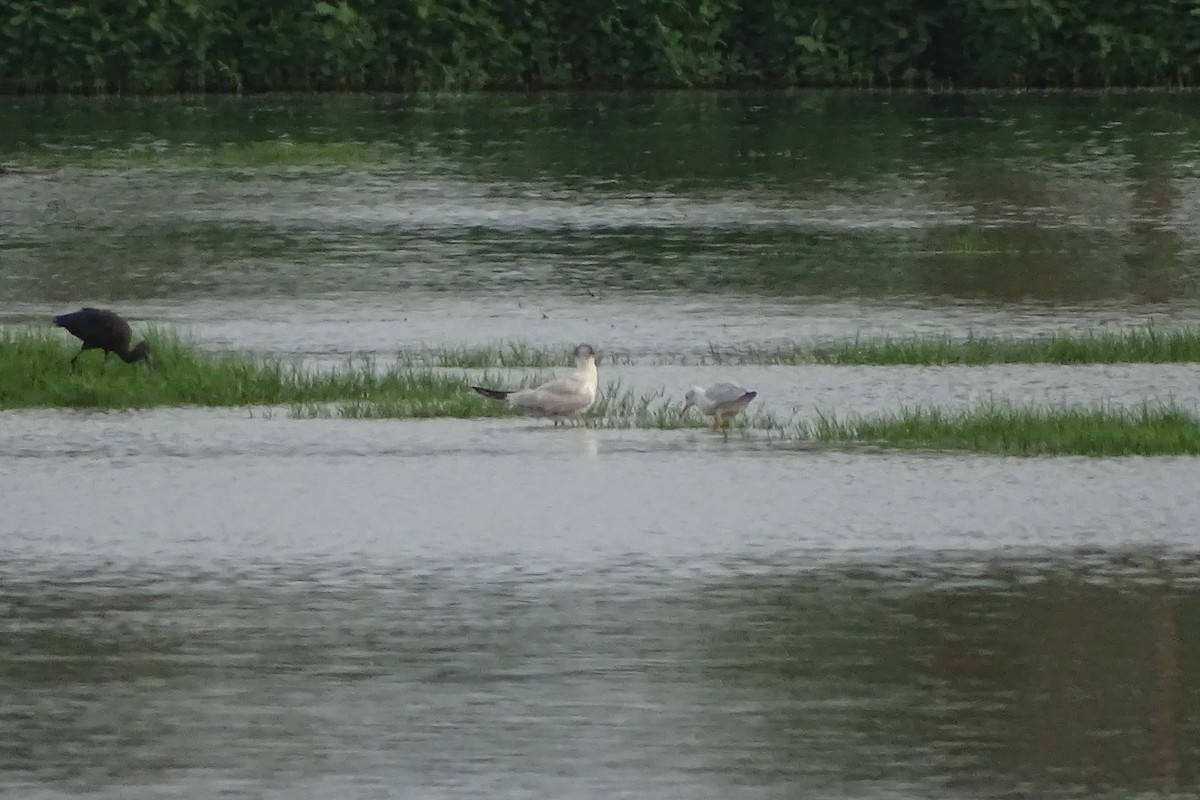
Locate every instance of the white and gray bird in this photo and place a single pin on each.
(562, 397)
(721, 401)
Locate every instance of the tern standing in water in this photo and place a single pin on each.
(566, 396)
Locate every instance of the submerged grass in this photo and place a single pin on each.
(1131, 345)
(616, 408)
(1148, 430)
(268, 153)
(460, 406)
(35, 372)
(507, 355)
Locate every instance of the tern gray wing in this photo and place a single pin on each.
(721, 393)
(566, 395)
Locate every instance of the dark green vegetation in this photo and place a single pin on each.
(35, 372)
(274, 154)
(207, 45)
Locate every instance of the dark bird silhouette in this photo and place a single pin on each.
(101, 329)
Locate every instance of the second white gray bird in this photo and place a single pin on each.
(721, 401)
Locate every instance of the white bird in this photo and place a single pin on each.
(721, 401)
(563, 397)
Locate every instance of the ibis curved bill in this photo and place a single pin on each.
(101, 329)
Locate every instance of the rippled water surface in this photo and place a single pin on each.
(237, 603)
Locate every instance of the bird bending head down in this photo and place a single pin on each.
(562, 397)
(722, 401)
(101, 329)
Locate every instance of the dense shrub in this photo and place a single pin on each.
(189, 45)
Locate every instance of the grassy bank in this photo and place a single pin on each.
(1131, 345)
(1147, 431)
(35, 372)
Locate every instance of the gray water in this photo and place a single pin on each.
(233, 602)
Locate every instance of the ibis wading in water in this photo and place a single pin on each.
(567, 396)
(722, 401)
(101, 329)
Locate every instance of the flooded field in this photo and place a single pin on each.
(235, 602)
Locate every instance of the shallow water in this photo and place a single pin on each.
(232, 602)
(200, 601)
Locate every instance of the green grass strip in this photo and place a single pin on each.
(35, 372)
(1147, 430)
(1130, 345)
